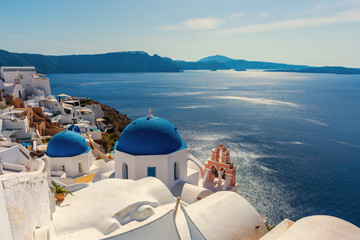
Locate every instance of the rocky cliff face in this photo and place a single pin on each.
(118, 120)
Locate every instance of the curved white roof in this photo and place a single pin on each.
(315, 228)
(112, 207)
(227, 215)
(104, 206)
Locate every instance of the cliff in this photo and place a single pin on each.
(117, 120)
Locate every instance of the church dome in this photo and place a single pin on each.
(74, 128)
(67, 144)
(150, 136)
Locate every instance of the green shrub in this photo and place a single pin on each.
(108, 140)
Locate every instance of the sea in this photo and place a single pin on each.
(294, 137)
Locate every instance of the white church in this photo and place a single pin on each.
(152, 147)
(69, 152)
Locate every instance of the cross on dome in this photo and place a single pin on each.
(150, 115)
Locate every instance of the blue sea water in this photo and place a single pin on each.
(294, 137)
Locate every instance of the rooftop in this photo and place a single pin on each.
(8, 69)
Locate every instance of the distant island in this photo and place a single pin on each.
(219, 62)
(139, 61)
(335, 70)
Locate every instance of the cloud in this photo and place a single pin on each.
(195, 24)
(257, 100)
(233, 15)
(343, 17)
(265, 14)
(319, 6)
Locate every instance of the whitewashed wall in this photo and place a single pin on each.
(18, 88)
(9, 154)
(96, 108)
(9, 76)
(27, 200)
(42, 83)
(180, 157)
(71, 164)
(137, 166)
(89, 117)
(5, 230)
(15, 125)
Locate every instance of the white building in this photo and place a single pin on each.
(14, 125)
(23, 82)
(66, 112)
(152, 147)
(52, 108)
(69, 152)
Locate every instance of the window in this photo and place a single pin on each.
(80, 168)
(176, 172)
(63, 168)
(125, 172)
(151, 171)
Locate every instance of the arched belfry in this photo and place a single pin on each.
(220, 170)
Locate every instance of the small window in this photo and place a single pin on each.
(63, 168)
(151, 171)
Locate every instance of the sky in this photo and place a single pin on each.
(317, 33)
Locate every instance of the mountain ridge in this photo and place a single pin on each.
(140, 61)
(136, 61)
(217, 58)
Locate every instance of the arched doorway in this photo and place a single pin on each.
(222, 175)
(125, 171)
(214, 172)
(176, 171)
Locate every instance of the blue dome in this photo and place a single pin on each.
(150, 136)
(67, 144)
(74, 128)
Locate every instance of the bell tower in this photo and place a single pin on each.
(220, 171)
